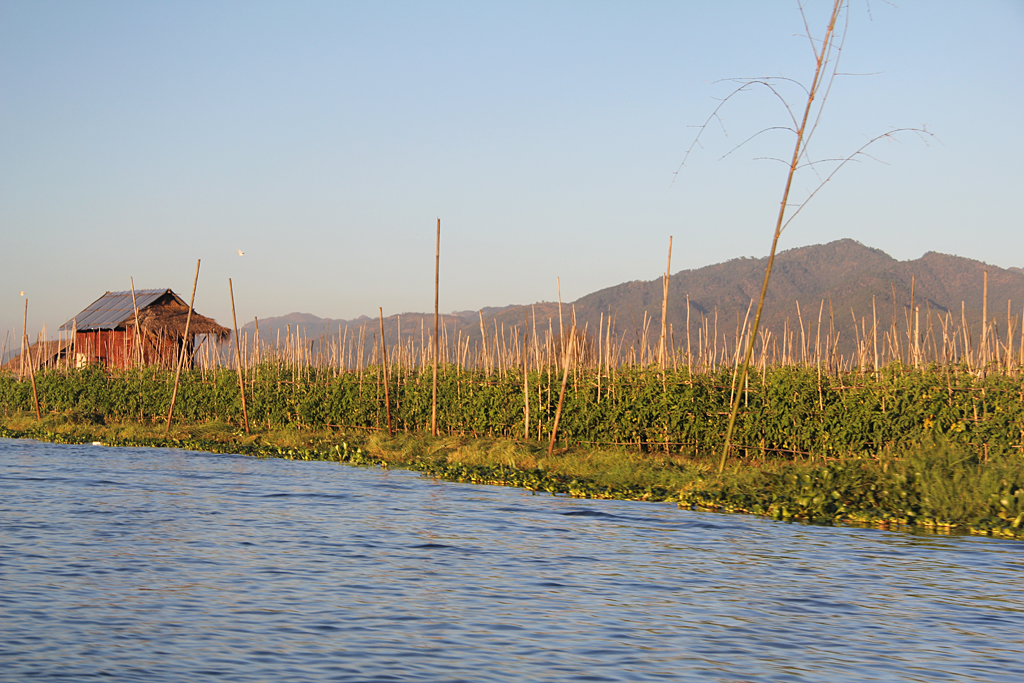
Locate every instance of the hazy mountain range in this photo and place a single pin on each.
(844, 275)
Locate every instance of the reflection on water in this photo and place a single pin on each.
(162, 565)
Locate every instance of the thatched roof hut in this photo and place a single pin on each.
(105, 331)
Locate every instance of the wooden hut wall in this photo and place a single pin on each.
(116, 349)
(107, 347)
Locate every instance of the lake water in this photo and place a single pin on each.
(160, 565)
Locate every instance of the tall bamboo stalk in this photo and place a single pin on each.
(437, 280)
(561, 394)
(984, 324)
(137, 341)
(384, 370)
(526, 387)
(238, 357)
(664, 308)
(28, 354)
(798, 150)
(184, 349)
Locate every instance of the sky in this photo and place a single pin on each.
(325, 139)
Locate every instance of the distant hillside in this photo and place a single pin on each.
(844, 274)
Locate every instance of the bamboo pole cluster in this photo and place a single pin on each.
(912, 338)
(910, 335)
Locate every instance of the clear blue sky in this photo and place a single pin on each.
(325, 138)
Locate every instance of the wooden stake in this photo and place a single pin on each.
(526, 386)
(184, 348)
(437, 279)
(984, 323)
(798, 150)
(238, 357)
(561, 394)
(483, 349)
(664, 309)
(689, 365)
(31, 368)
(874, 332)
(384, 371)
(138, 333)
(561, 331)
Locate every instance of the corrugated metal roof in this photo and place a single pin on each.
(114, 308)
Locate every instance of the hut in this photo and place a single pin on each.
(146, 327)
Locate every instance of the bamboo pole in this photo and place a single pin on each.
(238, 357)
(689, 364)
(874, 333)
(28, 354)
(984, 324)
(561, 331)
(138, 334)
(912, 346)
(437, 279)
(1020, 353)
(561, 394)
(965, 330)
(803, 337)
(917, 336)
(181, 356)
(484, 356)
(664, 309)
(526, 386)
(798, 150)
(24, 338)
(384, 370)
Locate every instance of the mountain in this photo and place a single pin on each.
(841, 281)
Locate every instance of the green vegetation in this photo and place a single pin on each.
(786, 411)
(929, 449)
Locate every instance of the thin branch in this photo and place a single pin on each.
(744, 85)
(852, 157)
(757, 134)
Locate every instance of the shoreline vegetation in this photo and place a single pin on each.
(931, 449)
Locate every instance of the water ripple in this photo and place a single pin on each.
(164, 565)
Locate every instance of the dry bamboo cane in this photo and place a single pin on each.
(1020, 354)
(256, 339)
(664, 311)
(984, 325)
(561, 331)
(238, 357)
(803, 339)
(24, 338)
(1009, 336)
(137, 341)
(526, 387)
(797, 151)
(384, 370)
(561, 394)
(917, 336)
(689, 365)
(912, 343)
(181, 356)
(437, 279)
(485, 357)
(600, 353)
(31, 368)
(966, 333)
(874, 333)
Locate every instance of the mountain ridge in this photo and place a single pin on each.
(832, 280)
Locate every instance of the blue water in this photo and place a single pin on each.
(160, 565)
